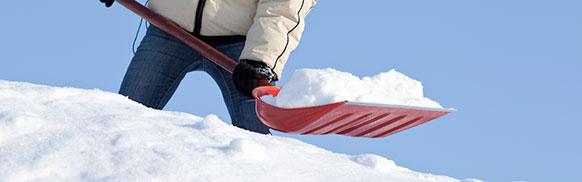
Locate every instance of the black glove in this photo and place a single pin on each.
(247, 73)
(108, 3)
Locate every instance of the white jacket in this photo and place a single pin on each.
(272, 27)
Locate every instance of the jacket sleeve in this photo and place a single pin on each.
(275, 32)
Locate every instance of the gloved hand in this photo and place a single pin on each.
(247, 73)
(108, 3)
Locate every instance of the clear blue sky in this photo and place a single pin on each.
(511, 68)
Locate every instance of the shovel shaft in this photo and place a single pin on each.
(185, 37)
(180, 34)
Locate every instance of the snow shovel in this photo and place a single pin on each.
(344, 118)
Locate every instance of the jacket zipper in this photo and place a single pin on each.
(198, 19)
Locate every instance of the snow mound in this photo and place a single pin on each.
(67, 134)
(378, 163)
(311, 87)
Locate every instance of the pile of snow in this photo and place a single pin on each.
(311, 87)
(68, 134)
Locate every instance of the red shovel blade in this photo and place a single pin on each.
(343, 118)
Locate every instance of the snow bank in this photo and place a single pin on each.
(67, 134)
(311, 87)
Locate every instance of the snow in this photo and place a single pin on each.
(311, 87)
(67, 134)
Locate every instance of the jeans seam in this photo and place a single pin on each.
(223, 80)
(185, 69)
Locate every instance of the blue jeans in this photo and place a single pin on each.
(160, 64)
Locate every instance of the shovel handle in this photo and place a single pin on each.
(185, 37)
(263, 82)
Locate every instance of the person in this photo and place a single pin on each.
(258, 34)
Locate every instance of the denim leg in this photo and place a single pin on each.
(240, 107)
(157, 68)
(160, 64)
